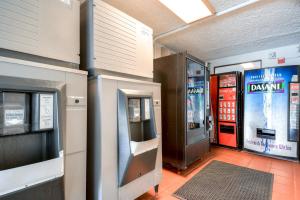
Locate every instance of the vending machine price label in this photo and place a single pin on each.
(46, 111)
(14, 117)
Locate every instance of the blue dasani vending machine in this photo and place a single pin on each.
(271, 111)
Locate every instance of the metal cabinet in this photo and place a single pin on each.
(185, 108)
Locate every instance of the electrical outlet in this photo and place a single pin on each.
(272, 55)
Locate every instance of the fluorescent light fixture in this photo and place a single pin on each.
(189, 10)
(248, 65)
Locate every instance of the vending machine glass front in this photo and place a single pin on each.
(195, 102)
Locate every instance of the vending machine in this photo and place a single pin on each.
(271, 119)
(185, 108)
(229, 109)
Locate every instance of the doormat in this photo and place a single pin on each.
(223, 181)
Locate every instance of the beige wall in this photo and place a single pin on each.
(161, 50)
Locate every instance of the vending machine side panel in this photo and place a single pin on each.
(214, 107)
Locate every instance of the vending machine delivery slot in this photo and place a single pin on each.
(227, 129)
(266, 133)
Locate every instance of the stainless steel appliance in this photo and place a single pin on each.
(124, 138)
(185, 108)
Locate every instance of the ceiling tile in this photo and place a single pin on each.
(268, 23)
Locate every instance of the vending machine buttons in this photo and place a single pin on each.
(228, 117)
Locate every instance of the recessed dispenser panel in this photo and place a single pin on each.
(30, 136)
(138, 142)
(227, 134)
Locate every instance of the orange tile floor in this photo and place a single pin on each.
(286, 174)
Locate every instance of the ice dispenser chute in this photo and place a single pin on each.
(137, 137)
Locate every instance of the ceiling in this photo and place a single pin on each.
(263, 25)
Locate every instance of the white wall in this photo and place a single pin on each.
(291, 54)
(161, 50)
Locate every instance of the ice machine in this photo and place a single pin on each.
(124, 145)
(185, 108)
(271, 115)
(137, 137)
(31, 151)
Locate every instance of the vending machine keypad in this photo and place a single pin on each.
(227, 104)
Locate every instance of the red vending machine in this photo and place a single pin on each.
(229, 110)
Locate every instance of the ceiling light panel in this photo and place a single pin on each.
(188, 10)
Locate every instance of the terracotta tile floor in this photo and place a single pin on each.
(286, 174)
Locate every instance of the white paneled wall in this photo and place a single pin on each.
(161, 50)
(268, 57)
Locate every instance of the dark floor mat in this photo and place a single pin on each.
(223, 181)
